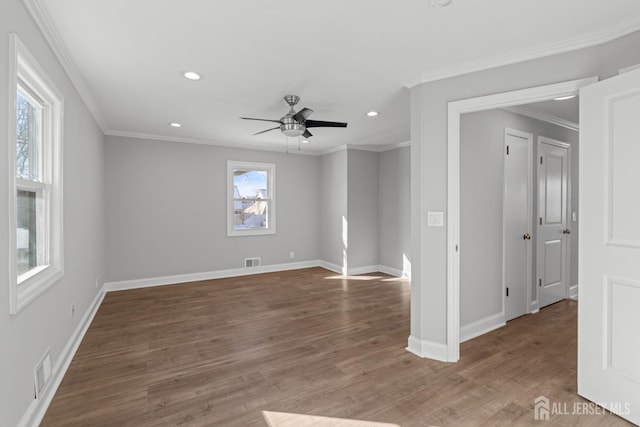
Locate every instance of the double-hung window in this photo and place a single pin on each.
(35, 196)
(251, 206)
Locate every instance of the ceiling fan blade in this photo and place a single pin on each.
(262, 120)
(302, 115)
(277, 127)
(307, 134)
(322, 124)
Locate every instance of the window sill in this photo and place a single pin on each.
(251, 232)
(33, 283)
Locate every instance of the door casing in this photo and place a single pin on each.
(455, 109)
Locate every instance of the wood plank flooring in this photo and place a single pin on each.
(218, 353)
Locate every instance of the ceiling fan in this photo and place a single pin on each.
(296, 124)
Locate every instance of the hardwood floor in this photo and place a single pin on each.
(218, 353)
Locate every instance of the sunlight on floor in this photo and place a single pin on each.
(283, 419)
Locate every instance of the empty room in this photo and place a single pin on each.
(359, 214)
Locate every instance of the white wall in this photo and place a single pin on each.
(394, 202)
(481, 192)
(166, 209)
(47, 322)
(429, 159)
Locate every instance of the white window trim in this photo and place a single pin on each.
(271, 191)
(24, 67)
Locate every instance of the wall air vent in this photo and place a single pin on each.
(42, 374)
(251, 262)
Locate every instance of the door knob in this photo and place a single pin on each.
(526, 236)
(566, 231)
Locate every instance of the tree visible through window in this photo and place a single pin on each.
(35, 203)
(29, 202)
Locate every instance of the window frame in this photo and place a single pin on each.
(28, 77)
(270, 168)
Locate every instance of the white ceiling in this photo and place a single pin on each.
(343, 58)
(567, 110)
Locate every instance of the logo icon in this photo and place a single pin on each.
(541, 408)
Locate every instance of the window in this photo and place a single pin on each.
(35, 202)
(251, 203)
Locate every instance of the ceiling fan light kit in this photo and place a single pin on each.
(296, 124)
(440, 3)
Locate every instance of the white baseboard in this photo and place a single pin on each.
(331, 267)
(208, 275)
(535, 307)
(482, 326)
(395, 272)
(427, 349)
(236, 272)
(366, 269)
(38, 408)
(390, 271)
(573, 292)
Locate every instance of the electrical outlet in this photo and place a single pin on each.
(96, 283)
(292, 255)
(73, 310)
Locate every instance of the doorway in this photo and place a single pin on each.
(516, 219)
(553, 243)
(455, 110)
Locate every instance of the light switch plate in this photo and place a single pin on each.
(435, 219)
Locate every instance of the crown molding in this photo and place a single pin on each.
(41, 18)
(549, 49)
(538, 115)
(394, 146)
(370, 148)
(628, 69)
(242, 146)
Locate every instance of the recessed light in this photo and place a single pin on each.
(372, 113)
(191, 75)
(305, 141)
(175, 125)
(440, 3)
(562, 98)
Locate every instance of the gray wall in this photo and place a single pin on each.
(333, 209)
(47, 321)
(394, 225)
(429, 158)
(481, 193)
(166, 209)
(368, 194)
(362, 205)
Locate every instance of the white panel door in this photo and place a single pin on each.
(517, 222)
(553, 235)
(609, 307)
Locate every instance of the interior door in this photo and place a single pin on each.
(552, 233)
(517, 222)
(609, 260)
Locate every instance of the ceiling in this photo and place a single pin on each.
(343, 58)
(566, 109)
